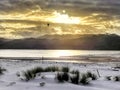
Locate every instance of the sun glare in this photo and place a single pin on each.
(64, 18)
(63, 53)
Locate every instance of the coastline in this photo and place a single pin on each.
(68, 58)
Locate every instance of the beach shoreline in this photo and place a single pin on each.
(68, 58)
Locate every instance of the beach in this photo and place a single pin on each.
(103, 64)
(10, 81)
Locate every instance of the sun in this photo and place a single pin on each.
(64, 18)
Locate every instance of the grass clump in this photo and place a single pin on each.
(65, 76)
(61, 77)
(74, 72)
(31, 74)
(116, 78)
(2, 70)
(91, 75)
(65, 69)
(51, 69)
(37, 70)
(84, 79)
(75, 78)
(28, 75)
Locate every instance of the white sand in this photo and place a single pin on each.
(9, 81)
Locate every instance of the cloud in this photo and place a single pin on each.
(81, 7)
(27, 18)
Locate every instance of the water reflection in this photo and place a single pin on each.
(56, 53)
(59, 53)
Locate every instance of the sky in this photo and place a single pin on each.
(34, 18)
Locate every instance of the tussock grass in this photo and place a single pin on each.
(2, 70)
(74, 72)
(75, 79)
(84, 79)
(51, 69)
(37, 70)
(91, 75)
(63, 76)
(116, 78)
(31, 74)
(59, 77)
(28, 75)
(65, 69)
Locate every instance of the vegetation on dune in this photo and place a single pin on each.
(2, 70)
(63, 75)
(116, 78)
(75, 78)
(74, 72)
(65, 69)
(31, 74)
(79, 78)
(84, 79)
(91, 75)
(28, 75)
(51, 69)
(59, 77)
(37, 70)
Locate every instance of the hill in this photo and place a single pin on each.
(83, 42)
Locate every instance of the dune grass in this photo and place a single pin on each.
(75, 78)
(63, 75)
(84, 79)
(31, 74)
(116, 78)
(2, 70)
(51, 69)
(91, 75)
(65, 69)
(113, 78)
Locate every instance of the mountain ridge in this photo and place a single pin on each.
(80, 42)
